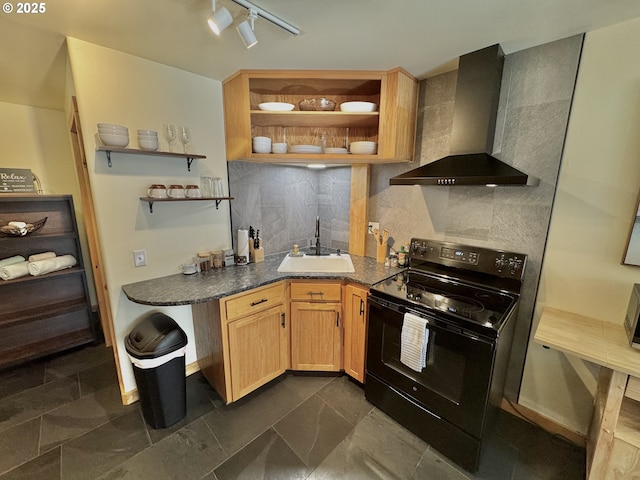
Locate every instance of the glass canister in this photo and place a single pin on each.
(204, 260)
(206, 187)
(217, 258)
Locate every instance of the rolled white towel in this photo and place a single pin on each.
(41, 256)
(51, 265)
(12, 260)
(15, 270)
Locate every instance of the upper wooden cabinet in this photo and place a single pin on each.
(392, 126)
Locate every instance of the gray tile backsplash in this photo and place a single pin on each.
(535, 102)
(283, 202)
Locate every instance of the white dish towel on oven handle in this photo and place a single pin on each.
(414, 341)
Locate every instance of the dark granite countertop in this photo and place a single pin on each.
(182, 289)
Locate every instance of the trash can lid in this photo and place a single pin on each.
(155, 336)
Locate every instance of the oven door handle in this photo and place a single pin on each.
(387, 304)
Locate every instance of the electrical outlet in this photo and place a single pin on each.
(373, 226)
(139, 258)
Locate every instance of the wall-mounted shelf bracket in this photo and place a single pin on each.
(151, 200)
(189, 156)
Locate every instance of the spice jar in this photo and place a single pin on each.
(217, 258)
(204, 259)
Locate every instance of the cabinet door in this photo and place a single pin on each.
(355, 331)
(315, 336)
(257, 349)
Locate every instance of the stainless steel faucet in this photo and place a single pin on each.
(318, 236)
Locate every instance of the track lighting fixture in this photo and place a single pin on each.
(268, 16)
(246, 30)
(220, 19)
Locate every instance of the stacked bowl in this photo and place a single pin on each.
(363, 148)
(148, 139)
(261, 145)
(112, 135)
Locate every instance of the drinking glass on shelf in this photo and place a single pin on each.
(185, 137)
(169, 133)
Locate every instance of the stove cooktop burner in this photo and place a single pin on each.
(457, 299)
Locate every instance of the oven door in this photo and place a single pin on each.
(454, 385)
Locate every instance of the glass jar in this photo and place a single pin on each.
(217, 258)
(204, 260)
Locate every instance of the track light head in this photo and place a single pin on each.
(245, 30)
(220, 19)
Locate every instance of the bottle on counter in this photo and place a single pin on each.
(402, 257)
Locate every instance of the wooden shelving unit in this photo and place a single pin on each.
(134, 151)
(392, 126)
(43, 314)
(152, 200)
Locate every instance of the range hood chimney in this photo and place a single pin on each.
(474, 123)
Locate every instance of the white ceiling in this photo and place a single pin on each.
(421, 36)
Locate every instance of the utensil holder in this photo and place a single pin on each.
(381, 252)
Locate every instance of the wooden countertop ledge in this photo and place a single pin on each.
(594, 340)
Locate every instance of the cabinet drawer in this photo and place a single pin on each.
(318, 292)
(254, 301)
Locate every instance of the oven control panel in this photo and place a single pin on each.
(495, 262)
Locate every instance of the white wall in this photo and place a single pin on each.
(119, 88)
(592, 214)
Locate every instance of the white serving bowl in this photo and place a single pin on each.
(358, 107)
(148, 137)
(276, 106)
(150, 133)
(262, 149)
(279, 147)
(148, 144)
(363, 148)
(335, 150)
(114, 140)
(113, 127)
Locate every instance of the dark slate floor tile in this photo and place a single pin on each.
(19, 444)
(98, 377)
(562, 460)
(268, 457)
(18, 379)
(103, 448)
(306, 384)
(370, 452)
(237, 424)
(433, 466)
(44, 467)
(347, 398)
(74, 361)
(189, 453)
(313, 430)
(80, 416)
(199, 403)
(37, 401)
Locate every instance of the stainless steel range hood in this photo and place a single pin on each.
(474, 122)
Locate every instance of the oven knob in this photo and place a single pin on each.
(415, 389)
(501, 262)
(417, 296)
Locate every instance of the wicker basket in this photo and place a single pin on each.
(317, 104)
(11, 231)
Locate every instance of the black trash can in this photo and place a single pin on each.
(156, 348)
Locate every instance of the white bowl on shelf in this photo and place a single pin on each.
(114, 139)
(305, 149)
(112, 128)
(148, 144)
(276, 106)
(358, 107)
(148, 133)
(363, 148)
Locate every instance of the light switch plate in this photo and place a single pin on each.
(372, 227)
(139, 258)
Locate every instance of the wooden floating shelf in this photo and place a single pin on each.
(135, 151)
(152, 200)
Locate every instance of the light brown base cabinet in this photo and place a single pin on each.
(355, 330)
(242, 341)
(246, 340)
(40, 315)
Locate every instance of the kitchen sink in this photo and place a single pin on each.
(319, 264)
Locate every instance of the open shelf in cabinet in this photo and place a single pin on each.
(152, 200)
(134, 151)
